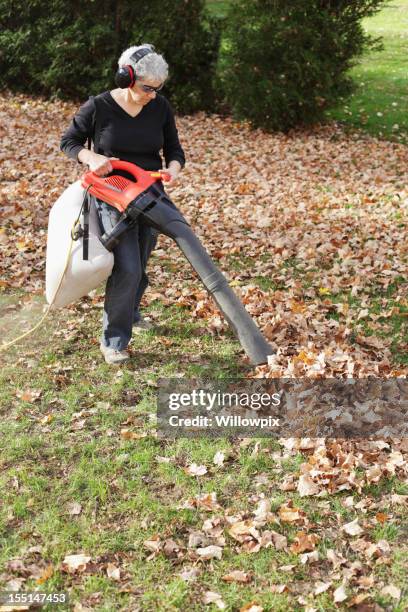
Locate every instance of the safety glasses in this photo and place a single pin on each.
(149, 88)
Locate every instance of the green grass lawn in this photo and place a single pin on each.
(63, 412)
(380, 103)
(61, 444)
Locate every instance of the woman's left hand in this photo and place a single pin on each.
(172, 171)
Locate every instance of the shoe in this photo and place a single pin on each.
(143, 324)
(114, 356)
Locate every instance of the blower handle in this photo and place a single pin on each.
(138, 173)
(162, 175)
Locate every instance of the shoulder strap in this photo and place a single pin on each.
(85, 237)
(89, 200)
(94, 137)
(90, 137)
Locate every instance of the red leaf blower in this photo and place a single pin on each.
(142, 198)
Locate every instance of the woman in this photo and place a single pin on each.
(131, 123)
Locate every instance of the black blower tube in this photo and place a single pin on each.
(154, 208)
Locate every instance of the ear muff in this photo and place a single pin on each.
(126, 75)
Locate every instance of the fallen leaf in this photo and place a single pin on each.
(237, 576)
(219, 458)
(288, 514)
(189, 574)
(321, 587)
(280, 541)
(311, 557)
(170, 548)
(399, 499)
(29, 395)
(206, 501)
(154, 544)
(340, 594)
(196, 470)
(352, 528)
(75, 563)
(210, 597)
(243, 530)
(113, 572)
(210, 552)
(381, 517)
(47, 419)
(304, 542)
(164, 459)
(279, 588)
(306, 486)
(74, 508)
(46, 574)
(391, 590)
(251, 607)
(126, 434)
(287, 568)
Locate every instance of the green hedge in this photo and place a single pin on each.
(70, 48)
(281, 63)
(284, 62)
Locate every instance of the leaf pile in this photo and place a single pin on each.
(320, 216)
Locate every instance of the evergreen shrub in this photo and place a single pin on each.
(283, 63)
(70, 48)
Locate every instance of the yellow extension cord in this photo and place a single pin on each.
(6, 345)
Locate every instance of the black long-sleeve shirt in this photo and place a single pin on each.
(138, 140)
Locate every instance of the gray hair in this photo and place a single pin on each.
(152, 66)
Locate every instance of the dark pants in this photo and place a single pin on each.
(128, 280)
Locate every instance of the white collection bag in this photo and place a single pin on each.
(81, 276)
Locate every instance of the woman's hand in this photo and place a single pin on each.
(173, 171)
(99, 164)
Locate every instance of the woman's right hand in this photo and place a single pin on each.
(99, 164)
